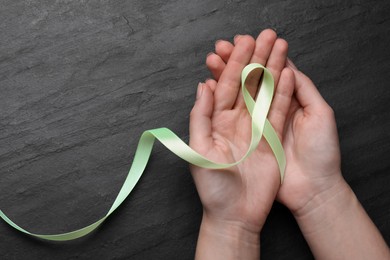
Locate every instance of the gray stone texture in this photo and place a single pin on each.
(81, 80)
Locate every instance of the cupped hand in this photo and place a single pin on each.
(312, 149)
(220, 129)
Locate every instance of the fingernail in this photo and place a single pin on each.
(199, 91)
(210, 53)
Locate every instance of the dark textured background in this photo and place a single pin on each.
(81, 80)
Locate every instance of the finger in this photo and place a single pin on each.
(282, 100)
(264, 43)
(307, 94)
(229, 82)
(215, 64)
(200, 119)
(212, 84)
(224, 49)
(277, 59)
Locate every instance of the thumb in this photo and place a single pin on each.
(200, 119)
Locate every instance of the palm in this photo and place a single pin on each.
(312, 152)
(229, 191)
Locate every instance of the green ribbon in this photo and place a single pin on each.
(260, 126)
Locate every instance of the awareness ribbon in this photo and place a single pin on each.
(260, 126)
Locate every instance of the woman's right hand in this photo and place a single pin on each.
(312, 149)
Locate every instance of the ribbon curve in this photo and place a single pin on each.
(260, 126)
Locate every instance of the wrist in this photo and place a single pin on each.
(336, 226)
(221, 239)
(309, 193)
(320, 211)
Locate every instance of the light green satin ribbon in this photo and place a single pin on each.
(260, 126)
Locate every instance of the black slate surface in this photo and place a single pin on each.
(81, 80)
